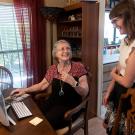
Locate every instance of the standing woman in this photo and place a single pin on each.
(123, 75)
(69, 85)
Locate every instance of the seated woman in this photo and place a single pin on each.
(69, 85)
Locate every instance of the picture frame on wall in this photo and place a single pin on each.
(111, 3)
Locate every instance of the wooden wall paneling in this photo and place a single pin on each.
(90, 19)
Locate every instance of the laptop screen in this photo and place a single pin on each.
(3, 112)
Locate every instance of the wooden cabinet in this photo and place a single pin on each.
(70, 28)
(79, 25)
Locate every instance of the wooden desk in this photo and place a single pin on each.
(23, 127)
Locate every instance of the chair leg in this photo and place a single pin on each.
(117, 119)
(86, 128)
(128, 129)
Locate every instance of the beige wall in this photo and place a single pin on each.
(9, 1)
(51, 37)
(55, 3)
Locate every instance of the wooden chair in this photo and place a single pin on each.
(81, 121)
(131, 112)
(6, 78)
(130, 120)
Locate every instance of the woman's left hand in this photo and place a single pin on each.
(114, 71)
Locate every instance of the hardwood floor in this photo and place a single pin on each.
(95, 127)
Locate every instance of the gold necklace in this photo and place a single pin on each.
(61, 92)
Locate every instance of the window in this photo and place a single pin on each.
(11, 53)
(110, 33)
(112, 38)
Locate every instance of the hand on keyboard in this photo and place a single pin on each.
(20, 98)
(14, 98)
(17, 92)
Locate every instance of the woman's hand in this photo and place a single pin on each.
(83, 87)
(17, 92)
(68, 78)
(114, 71)
(106, 98)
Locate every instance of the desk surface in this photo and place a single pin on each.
(23, 127)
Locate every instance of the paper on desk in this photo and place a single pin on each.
(35, 121)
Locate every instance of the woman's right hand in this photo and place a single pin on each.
(105, 98)
(18, 92)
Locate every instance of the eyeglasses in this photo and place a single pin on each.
(64, 49)
(115, 20)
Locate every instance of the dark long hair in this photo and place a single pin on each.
(126, 10)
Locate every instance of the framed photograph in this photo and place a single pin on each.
(111, 3)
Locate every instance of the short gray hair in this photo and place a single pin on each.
(57, 43)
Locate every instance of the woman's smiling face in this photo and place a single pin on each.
(118, 22)
(63, 52)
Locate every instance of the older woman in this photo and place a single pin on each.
(69, 85)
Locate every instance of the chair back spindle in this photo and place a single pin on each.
(6, 78)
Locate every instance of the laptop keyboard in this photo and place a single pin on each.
(21, 109)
